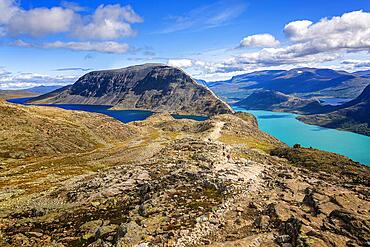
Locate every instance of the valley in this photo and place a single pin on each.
(212, 123)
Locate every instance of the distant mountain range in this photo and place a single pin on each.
(364, 73)
(352, 116)
(302, 82)
(277, 101)
(43, 89)
(154, 87)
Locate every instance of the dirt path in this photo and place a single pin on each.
(249, 173)
(216, 132)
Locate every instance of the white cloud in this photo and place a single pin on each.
(106, 23)
(41, 21)
(357, 64)
(180, 63)
(8, 8)
(21, 43)
(259, 40)
(296, 29)
(103, 46)
(351, 31)
(9, 80)
(106, 47)
(327, 41)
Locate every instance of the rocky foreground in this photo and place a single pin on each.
(167, 182)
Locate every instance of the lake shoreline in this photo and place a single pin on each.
(335, 139)
(289, 130)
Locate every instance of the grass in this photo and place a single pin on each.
(247, 141)
(321, 161)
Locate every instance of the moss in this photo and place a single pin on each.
(331, 163)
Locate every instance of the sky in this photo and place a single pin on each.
(49, 42)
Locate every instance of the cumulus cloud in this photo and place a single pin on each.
(259, 40)
(309, 43)
(9, 80)
(106, 23)
(180, 63)
(40, 21)
(318, 42)
(350, 31)
(106, 47)
(109, 22)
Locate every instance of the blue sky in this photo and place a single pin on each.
(55, 42)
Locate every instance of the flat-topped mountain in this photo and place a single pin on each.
(352, 116)
(153, 87)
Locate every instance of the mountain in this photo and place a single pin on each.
(307, 82)
(363, 73)
(277, 101)
(71, 178)
(352, 116)
(12, 94)
(154, 87)
(43, 89)
(30, 131)
(202, 82)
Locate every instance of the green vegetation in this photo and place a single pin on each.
(321, 161)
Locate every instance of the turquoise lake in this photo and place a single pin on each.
(283, 126)
(288, 129)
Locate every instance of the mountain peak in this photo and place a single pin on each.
(155, 87)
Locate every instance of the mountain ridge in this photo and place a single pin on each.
(352, 116)
(155, 87)
(302, 82)
(170, 182)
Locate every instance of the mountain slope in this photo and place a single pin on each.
(363, 73)
(12, 94)
(352, 116)
(38, 131)
(153, 87)
(220, 182)
(301, 81)
(277, 101)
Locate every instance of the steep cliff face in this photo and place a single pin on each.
(150, 86)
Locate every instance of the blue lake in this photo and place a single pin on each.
(125, 116)
(288, 129)
(283, 126)
(334, 101)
